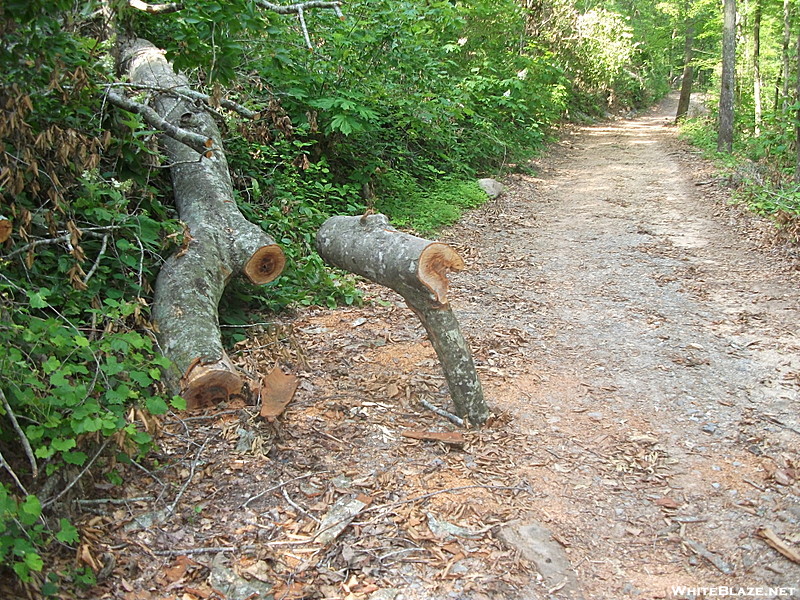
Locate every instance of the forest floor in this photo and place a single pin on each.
(638, 342)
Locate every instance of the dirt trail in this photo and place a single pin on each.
(641, 353)
(646, 312)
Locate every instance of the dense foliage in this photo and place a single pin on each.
(396, 108)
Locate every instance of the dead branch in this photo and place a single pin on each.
(97, 260)
(442, 413)
(7, 467)
(159, 9)
(66, 237)
(197, 142)
(23, 438)
(299, 10)
(190, 94)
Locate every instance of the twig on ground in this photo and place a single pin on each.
(114, 500)
(297, 506)
(442, 413)
(276, 487)
(171, 509)
(23, 438)
(331, 437)
(445, 491)
(211, 550)
(211, 416)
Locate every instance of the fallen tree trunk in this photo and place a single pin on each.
(221, 243)
(417, 270)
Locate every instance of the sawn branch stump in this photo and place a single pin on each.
(417, 270)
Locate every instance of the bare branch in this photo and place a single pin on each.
(7, 467)
(169, 7)
(299, 10)
(92, 231)
(292, 9)
(190, 94)
(97, 261)
(25, 443)
(195, 141)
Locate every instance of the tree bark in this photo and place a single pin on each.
(787, 36)
(417, 270)
(797, 116)
(757, 67)
(725, 132)
(688, 71)
(221, 242)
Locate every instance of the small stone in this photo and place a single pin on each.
(492, 187)
(709, 428)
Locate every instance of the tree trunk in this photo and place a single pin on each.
(797, 116)
(757, 67)
(417, 270)
(221, 242)
(688, 71)
(787, 36)
(725, 132)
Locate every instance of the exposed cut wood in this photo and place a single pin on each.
(416, 269)
(277, 390)
(204, 384)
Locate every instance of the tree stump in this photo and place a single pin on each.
(417, 270)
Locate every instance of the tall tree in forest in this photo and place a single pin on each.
(688, 70)
(757, 67)
(787, 33)
(725, 127)
(797, 120)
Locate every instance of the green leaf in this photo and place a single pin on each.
(178, 403)
(31, 509)
(37, 299)
(69, 533)
(156, 405)
(74, 458)
(62, 445)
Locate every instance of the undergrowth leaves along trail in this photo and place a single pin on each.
(640, 349)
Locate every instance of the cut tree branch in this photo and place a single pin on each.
(416, 269)
(221, 243)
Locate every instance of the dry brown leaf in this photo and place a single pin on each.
(277, 390)
(667, 502)
(5, 229)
